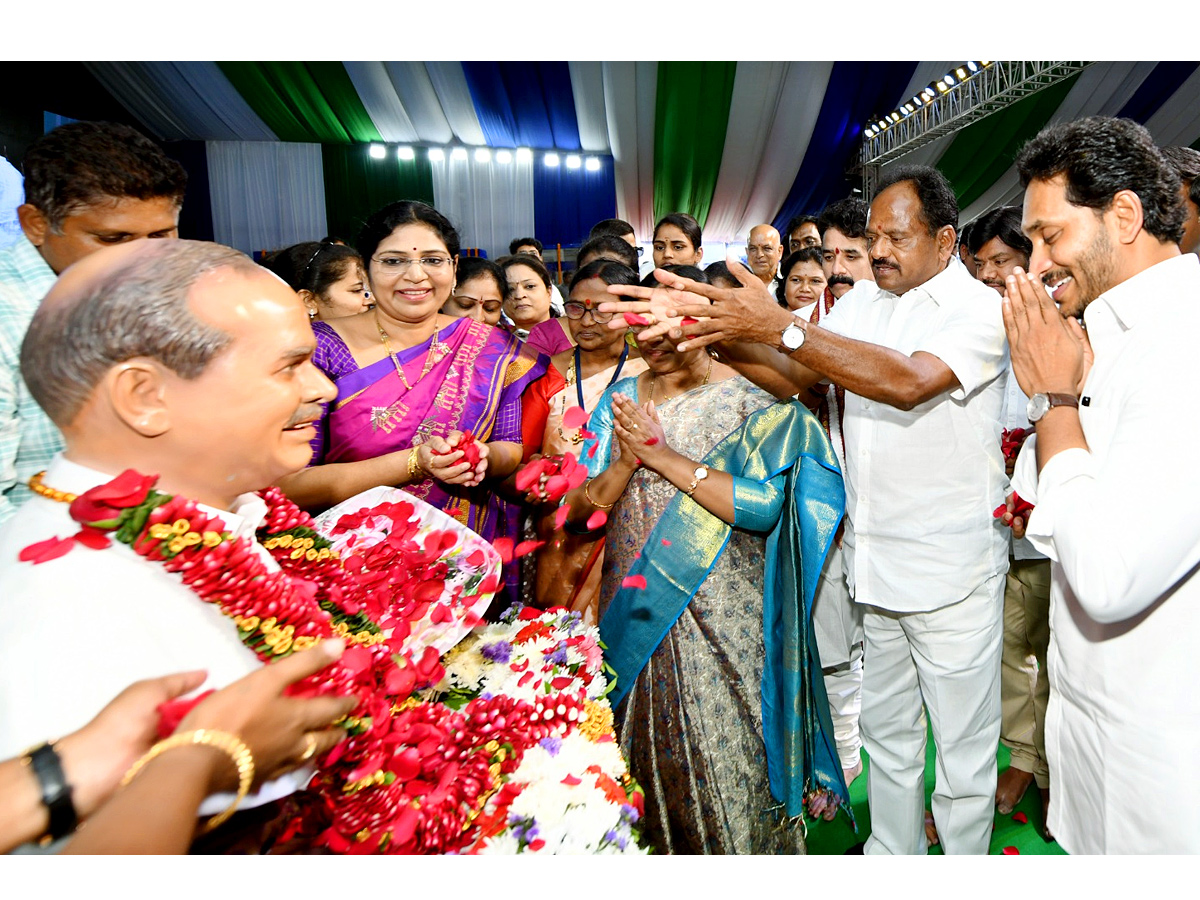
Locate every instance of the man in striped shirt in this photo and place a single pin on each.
(87, 185)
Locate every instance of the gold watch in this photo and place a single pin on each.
(697, 476)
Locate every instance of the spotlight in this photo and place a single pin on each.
(504, 156)
(573, 161)
(972, 67)
(917, 101)
(378, 151)
(458, 154)
(550, 159)
(882, 124)
(985, 62)
(436, 154)
(405, 153)
(592, 164)
(482, 155)
(941, 86)
(949, 79)
(961, 73)
(524, 154)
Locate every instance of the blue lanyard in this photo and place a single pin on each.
(579, 374)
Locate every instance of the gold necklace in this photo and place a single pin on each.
(35, 485)
(654, 383)
(436, 351)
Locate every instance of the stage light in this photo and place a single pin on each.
(941, 86)
(504, 156)
(949, 80)
(550, 159)
(378, 151)
(436, 154)
(961, 73)
(985, 62)
(573, 161)
(458, 154)
(917, 100)
(524, 154)
(972, 67)
(592, 164)
(482, 155)
(405, 153)
(882, 124)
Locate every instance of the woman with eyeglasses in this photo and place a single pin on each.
(329, 278)
(568, 566)
(527, 303)
(411, 381)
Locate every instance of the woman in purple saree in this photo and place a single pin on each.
(411, 381)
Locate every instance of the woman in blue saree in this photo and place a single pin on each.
(721, 505)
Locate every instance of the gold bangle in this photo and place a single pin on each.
(587, 496)
(222, 740)
(414, 466)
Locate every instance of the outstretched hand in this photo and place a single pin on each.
(747, 313)
(1050, 353)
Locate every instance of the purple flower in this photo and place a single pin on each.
(628, 813)
(610, 836)
(557, 656)
(551, 745)
(497, 652)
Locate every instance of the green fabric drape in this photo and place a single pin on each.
(982, 152)
(356, 185)
(690, 119)
(308, 102)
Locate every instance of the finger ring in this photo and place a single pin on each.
(310, 746)
(634, 426)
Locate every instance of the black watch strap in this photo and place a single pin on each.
(56, 793)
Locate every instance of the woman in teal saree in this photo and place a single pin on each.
(721, 505)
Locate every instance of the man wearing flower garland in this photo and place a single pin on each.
(198, 371)
(87, 185)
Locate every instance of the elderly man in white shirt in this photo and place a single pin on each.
(923, 359)
(1115, 481)
(201, 374)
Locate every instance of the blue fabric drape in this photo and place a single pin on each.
(856, 90)
(1159, 85)
(524, 104)
(568, 202)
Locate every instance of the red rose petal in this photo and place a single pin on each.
(526, 547)
(688, 320)
(592, 451)
(556, 487)
(476, 559)
(572, 780)
(666, 543)
(44, 551)
(597, 520)
(504, 546)
(1011, 851)
(635, 319)
(560, 517)
(1021, 817)
(651, 441)
(638, 582)
(575, 417)
(999, 510)
(579, 474)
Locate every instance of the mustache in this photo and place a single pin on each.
(307, 412)
(840, 279)
(883, 261)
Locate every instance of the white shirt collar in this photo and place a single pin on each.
(1136, 295)
(246, 516)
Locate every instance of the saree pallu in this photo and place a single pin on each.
(569, 565)
(475, 385)
(715, 657)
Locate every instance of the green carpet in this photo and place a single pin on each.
(838, 836)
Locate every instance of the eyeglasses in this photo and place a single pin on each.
(401, 263)
(576, 311)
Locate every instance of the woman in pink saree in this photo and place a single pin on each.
(413, 382)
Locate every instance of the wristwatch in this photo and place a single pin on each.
(698, 476)
(1040, 404)
(793, 336)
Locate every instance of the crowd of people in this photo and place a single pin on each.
(892, 475)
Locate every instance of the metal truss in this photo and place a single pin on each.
(987, 91)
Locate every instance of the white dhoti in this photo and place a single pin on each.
(838, 626)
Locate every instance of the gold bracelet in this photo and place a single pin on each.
(222, 740)
(587, 484)
(414, 466)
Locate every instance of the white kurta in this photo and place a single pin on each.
(79, 629)
(1120, 522)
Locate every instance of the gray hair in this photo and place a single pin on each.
(137, 310)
